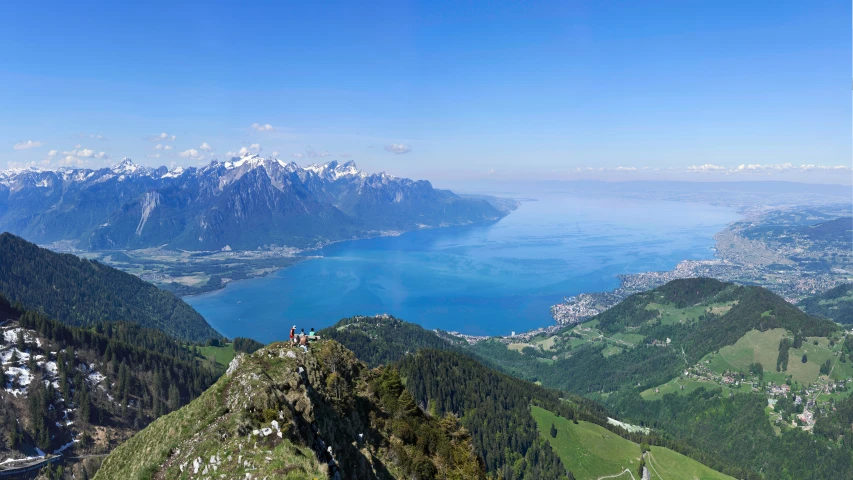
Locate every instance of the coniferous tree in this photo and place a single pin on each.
(174, 397)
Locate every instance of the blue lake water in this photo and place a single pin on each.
(488, 279)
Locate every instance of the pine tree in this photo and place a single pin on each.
(553, 431)
(174, 397)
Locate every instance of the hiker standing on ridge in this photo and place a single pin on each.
(293, 335)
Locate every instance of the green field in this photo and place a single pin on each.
(763, 347)
(590, 452)
(834, 301)
(669, 313)
(674, 386)
(665, 464)
(586, 449)
(223, 355)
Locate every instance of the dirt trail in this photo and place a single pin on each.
(618, 475)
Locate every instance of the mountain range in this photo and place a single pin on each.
(244, 203)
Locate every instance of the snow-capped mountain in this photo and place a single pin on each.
(243, 203)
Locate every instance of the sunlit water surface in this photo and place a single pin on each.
(489, 279)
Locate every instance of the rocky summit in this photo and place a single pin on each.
(282, 412)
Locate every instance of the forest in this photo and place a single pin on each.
(80, 292)
(148, 374)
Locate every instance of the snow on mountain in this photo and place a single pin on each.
(330, 170)
(247, 202)
(127, 167)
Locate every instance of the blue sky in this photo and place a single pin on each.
(438, 90)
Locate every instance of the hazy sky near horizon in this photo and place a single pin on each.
(437, 90)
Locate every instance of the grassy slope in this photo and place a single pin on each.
(223, 355)
(140, 457)
(590, 451)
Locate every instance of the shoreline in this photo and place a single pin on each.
(300, 259)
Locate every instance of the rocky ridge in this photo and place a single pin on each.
(285, 413)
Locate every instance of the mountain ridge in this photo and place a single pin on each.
(81, 292)
(284, 413)
(244, 203)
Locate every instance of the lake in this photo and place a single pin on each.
(486, 279)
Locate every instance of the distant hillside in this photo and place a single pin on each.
(835, 230)
(615, 349)
(80, 292)
(700, 361)
(81, 391)
(383, 339)
(835, 304)
(282, 413)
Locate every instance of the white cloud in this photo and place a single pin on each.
(158, 147)
(191, 153)
(166, 137)
(345, 155)
(314, 154)
(398, 148)
(27, 144)
(52, 153)
(167, 147)
(706, 168)
(71, 160)
(768, 169)
(95, 136)
(274, 154)
(81, 152)
(296, 155)
(253, 148)
(153, 155)
(205, 147)
(807, 168)
(262, 128)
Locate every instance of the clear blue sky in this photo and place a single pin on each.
(472, 89)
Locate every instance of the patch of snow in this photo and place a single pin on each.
(177, 172)
(21, 375)
(60, 449)
(96, 377)
(6, 355)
